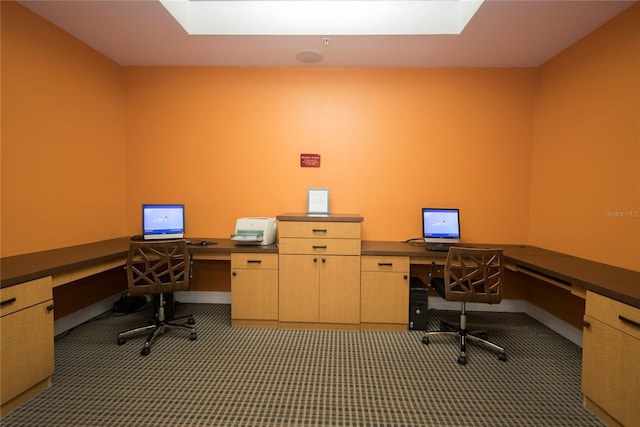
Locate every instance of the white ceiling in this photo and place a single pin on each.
(503, 33)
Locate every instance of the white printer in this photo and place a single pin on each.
(255, 231)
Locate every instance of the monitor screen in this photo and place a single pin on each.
(440, 225)
(162, 221)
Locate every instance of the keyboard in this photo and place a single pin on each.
(438, 248)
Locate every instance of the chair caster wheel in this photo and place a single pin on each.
(145, 351)
(425, 340)
(121, 341)
(502, 357)
(191, 321)
(462, 360)
(193, 336)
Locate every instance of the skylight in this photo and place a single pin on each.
(322, 17)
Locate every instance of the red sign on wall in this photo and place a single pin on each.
(309, 160)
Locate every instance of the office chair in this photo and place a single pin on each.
(157, 268)
(470, 275)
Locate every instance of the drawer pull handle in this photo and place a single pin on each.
(254, 261)
(629, 321)
(50, 307)
(8, 301)
(319, 246)
(319, 230)
(586, 324)
(385, 264)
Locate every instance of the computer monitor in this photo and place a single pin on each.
(441, 225)
(162, 221)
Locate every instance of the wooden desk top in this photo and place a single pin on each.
(614, 282)
(320, 217)
(22, 268)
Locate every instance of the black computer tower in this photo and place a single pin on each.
(418, 304)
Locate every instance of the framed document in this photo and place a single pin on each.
(318, 201)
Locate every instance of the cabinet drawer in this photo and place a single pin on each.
(385, 264)
(319, 246)
(319, 229)
(18, 297)
(620, 316)
(254, 260)
(27, 350)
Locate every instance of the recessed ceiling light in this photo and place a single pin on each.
(320, 17)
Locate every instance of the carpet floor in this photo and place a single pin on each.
(271, 377)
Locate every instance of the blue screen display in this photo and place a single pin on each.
(440, 223)
(162, 219)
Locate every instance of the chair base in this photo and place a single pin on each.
(478, 335)
(157, 328)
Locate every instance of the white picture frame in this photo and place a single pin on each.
(318, 201)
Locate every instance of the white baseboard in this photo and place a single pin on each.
(563, 328)
(559, 326)
(203, 297)
(89, 312)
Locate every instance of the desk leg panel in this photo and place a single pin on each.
(73, 296)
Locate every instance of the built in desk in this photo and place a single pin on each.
(612, 307)
(577, 275)
(65, 265)
(611, 325)
(30, 286)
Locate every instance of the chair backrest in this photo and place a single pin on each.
(473, 275)
(155, 267)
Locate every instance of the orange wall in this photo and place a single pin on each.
(585, 194)
(63, 169)
(227, 143)
(529, 155)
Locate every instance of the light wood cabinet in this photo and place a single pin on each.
(254, 286)
(299, 288)
(611, 360)
(385, 290)
(26, 331)
(319, 275)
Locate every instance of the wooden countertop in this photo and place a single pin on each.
(614, 282)
(22, 268)
(320, 217)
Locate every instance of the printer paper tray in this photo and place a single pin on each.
(246, 238)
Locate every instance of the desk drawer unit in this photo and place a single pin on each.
(254, 261)
(26, 331)
(385, 290)
(319, 229)
(314, 246)
(611, 359)
(19, 297)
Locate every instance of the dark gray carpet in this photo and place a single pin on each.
(266, 377)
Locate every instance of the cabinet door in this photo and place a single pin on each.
(385, 297)
(611, 371)
(27, 349)
(254, 294)
(340, 289)
(298, 294)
